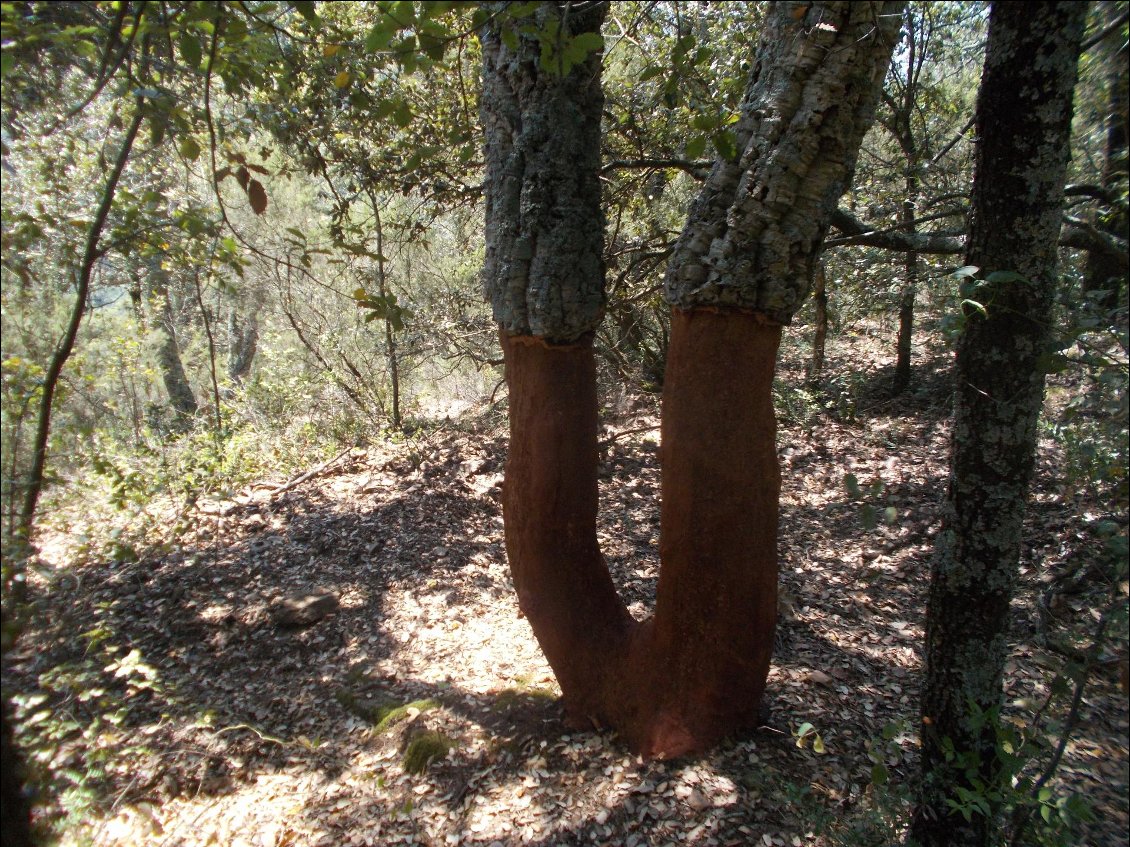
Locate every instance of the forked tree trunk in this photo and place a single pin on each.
(1024, 130)
(695, 671)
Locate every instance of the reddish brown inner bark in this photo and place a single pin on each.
(696, 670)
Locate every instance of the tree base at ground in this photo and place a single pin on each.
(695, 671)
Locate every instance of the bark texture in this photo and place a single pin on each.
(696, 670)
(756, 228)
(544, 267)
(1023, 120)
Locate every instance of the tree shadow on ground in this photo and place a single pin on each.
(414, 555)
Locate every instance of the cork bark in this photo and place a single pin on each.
(757, 225)
(544, 267)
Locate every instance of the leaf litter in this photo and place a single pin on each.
(250, 733)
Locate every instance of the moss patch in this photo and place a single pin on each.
(383, 714)
(424, 749)
(508, 698)
(393, 714)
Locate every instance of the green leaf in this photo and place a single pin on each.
(704, 121)
(189, 148)
(7, 62)
(1001, 277)
(432, 47)
(867, 516)
(380, 35)
(975, 306)
(586, 43)
(726, 144)
(402, 116)
(851, 483)
(879, 775)
(236, 30)
(306, 9)
(342, 79)
(190, 49)
(696, 145)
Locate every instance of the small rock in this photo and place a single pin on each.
(299, 610)
(698, 801)
(820, 678)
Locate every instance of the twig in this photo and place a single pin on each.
(310, 474)
(249, 728)
(610, 440)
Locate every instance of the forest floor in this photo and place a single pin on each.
(187, 714)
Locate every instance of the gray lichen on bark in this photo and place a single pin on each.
(543, 273)
(757, 225)
(1024, 128)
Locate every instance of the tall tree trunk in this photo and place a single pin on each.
(390, 333)
(696, 670)
(820, 321)
(1024, 123)
(92, 252)
(176, 382)
(907, 297)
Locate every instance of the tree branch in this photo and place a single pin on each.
(697, 169)
(856, 233)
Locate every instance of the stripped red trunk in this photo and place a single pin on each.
(696, 670)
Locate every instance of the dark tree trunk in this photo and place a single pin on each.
(696, 670)
(820, 321)
(902, 125)
(1024, 123)
(909, 291)
(906, 324)
(15, 813)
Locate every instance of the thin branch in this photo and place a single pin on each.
(698, 169)
(310, 474)
(960, 134)
(106, 69)
(1103, 33)
(67, 343)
